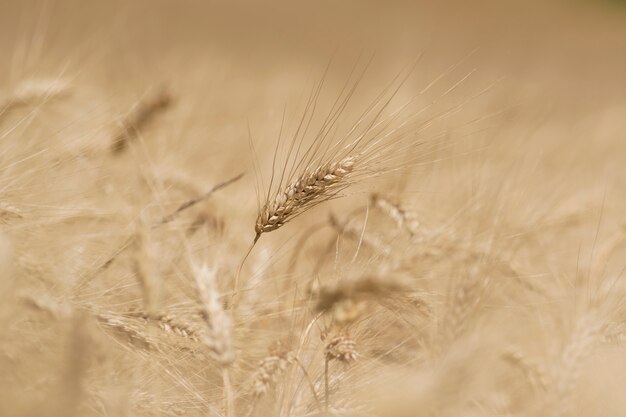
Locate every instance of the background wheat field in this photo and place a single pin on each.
(475, 267)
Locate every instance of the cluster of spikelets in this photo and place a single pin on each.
(307, 190)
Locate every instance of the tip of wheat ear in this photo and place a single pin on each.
(302, 193)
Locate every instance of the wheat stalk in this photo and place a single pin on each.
(192, 202)
(358, 235)
(146, 268)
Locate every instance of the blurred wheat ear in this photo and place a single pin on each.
(144, 111)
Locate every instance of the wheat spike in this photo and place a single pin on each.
(404, 219)
(341, 348)
(270, 368)
(219, 322)
(47, 304)
(146, 268)
(586, 334)
(173, 325)
(34, 91)
(8, 212)
(344, 298)
(531, 368)
(139, 116)
(132, 334)
(309, 189)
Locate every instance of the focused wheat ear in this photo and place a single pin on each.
(386, 136)
(309, 189)
(318, 171)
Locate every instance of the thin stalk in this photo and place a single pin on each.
(229, 399)
(233, 299)
(311, 386)
(326, 393)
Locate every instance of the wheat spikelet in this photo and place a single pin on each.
(615, 333)
(404, 219)
(341, 348)
(134, 326)
(533, 370)
(130, 332)
(173, 325)
(463, 303)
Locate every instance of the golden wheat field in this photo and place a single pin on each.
(329, 208)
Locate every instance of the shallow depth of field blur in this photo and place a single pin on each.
(501, 293)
